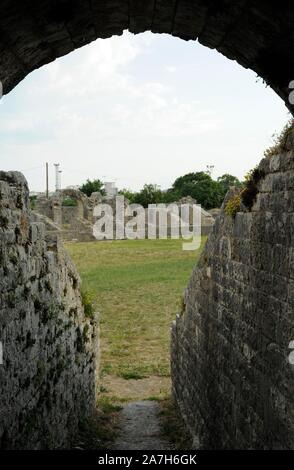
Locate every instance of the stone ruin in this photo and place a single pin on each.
(232, 377)
(69, 213)
(231, 374)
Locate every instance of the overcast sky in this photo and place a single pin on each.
(137, 109)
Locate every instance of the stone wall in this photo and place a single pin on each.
(73, 222)
(230, 346)
(50, 347)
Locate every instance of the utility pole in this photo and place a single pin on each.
(57, 176)
(47, 181)
(209, 169)
(59, 179)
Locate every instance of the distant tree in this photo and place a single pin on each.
(201, 187)
(171, 195)
(94, 186)
(128, 194)
(69, 202)
(150, 194)
(226, 181)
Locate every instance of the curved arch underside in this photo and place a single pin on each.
(258, 35)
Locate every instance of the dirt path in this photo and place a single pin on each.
(140, 428)
(137, 390)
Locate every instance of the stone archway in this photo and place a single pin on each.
(243, 402)
(258, 35)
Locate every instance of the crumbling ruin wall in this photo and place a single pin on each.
(72, 222)
(48, 377)
(232, 377)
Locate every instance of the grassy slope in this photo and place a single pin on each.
(137, 286)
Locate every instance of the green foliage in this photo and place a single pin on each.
(69, 202)
(87, 301)
(280, 140)
(106, 405)
(128, 194)
(233, 205)
(226, 181)
(173, 426)
(33, 200)
(171, 195)
(150, 194)
(99, 430)
(249, 193)
(94, 186)
(131, 373)
(182, 305)
(201, 187)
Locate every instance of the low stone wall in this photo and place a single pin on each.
(230, 345)
(48, 379)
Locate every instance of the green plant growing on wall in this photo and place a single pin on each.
(87, 301)
(247, 195)
(233, 205)
(182, 305)
(250, 190)
(280, 140)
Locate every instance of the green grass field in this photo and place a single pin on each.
(137, 287)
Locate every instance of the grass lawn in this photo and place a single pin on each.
(137, 287)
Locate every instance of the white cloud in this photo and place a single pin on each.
(93, 69)
(171, 68)
(105, 106)
(92, 90)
